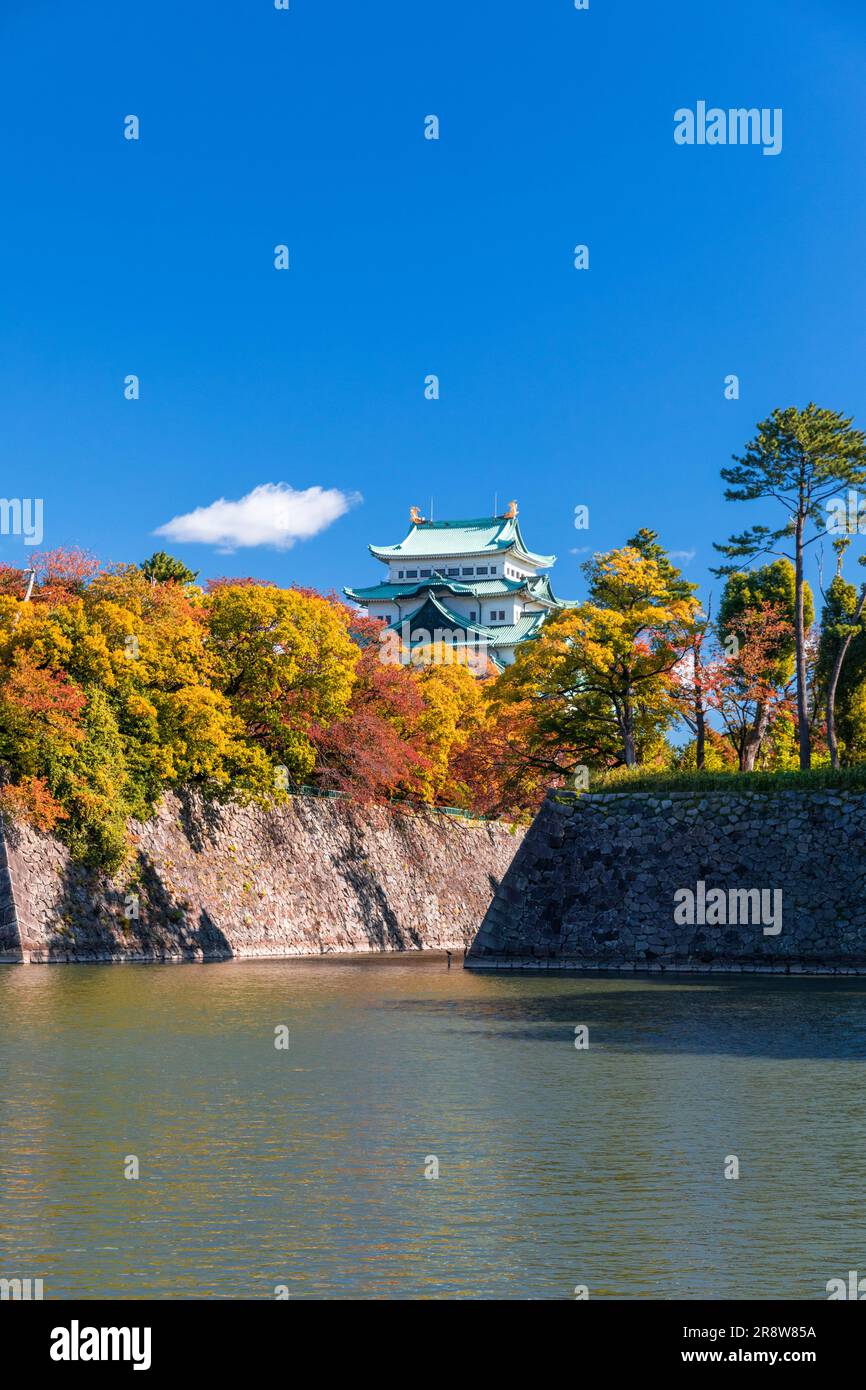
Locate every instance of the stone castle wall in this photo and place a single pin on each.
(593, 884)
(314, 877)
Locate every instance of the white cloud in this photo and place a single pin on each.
(685, 555)
(272, 514)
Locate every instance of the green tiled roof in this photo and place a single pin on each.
(508, 634)
(477, 588)
(489, 535)
(432, 612)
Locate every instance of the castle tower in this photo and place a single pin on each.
(475, 576)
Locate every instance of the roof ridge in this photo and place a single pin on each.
(426, 524)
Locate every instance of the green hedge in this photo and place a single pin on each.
(640, 780)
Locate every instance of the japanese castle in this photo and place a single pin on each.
(475, 577)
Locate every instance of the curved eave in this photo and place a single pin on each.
(387, 553)
(389, 556)
(527, 557)
(395, 592)
(522, 551)
(481, 589)
(546, 595)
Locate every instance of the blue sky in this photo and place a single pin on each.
(408, 257)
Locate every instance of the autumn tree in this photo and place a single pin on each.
(13, 581)
(110, 662)
(372, 752)
(690, 686)
(453, 718)
(62, 573)
(504, 771)
(718, 753)
(746, 684)
(41, 729)
(756, 677)
(599, 674)
(286, 664)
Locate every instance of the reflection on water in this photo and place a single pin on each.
(306, 1167)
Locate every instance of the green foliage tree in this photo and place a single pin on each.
(95, 788)
(841, 666)
(162, 568)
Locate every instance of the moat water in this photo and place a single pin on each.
(305, 1167)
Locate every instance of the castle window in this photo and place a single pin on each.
(425, 574)
(469, 571)
(411, 574)
(482, 569)
(399, 574)
(472, 616)
(453, 571)
(492, 569)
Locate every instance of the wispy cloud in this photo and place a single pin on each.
(579, 550)
(273, 514)
(685, 555)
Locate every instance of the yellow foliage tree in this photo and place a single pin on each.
(597, 681)
(285, 662)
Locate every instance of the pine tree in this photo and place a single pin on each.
(165, 569)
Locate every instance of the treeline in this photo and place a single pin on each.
(119, 683)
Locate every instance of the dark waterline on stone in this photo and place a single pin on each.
(558, 1167)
